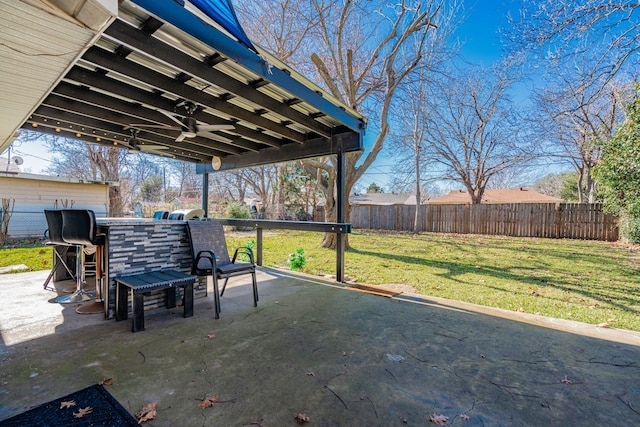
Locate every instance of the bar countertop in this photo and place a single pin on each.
(135, 221)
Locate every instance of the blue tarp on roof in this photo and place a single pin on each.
(223, 13)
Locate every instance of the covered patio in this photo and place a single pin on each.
(160, 77)
(339, 356)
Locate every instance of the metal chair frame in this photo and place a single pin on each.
(211, 257)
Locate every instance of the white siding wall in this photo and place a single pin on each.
(34, 194)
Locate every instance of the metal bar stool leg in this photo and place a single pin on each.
(80, 295)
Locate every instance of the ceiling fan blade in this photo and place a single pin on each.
(214, 136)
(159, 153)
(167, 127)
(209, 128)
(152, 147)
(180, 137)
(172, 117)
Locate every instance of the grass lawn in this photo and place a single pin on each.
(586, 281)
(592, 282)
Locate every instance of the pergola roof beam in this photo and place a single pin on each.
(117, 64)
(143, 42)
(141, 96)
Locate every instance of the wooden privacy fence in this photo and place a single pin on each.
(554, 220)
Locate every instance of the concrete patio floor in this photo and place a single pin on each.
(341, 357)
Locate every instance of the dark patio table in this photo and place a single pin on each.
(143, 283)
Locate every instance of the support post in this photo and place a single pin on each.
(205, 194)
(340, 210)
(259, 246)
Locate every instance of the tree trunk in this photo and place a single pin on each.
(418, 217)
(330, 240)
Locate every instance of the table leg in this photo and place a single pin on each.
(187, 300)
(138, 312)
(122, 301)
(171, 297)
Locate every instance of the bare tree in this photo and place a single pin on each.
(282, 27)
(605, 32)
(408, 138)
(262, 180)
(365, 51)
(473, 129)
(577, 116)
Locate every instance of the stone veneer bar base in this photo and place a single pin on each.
(140, 245)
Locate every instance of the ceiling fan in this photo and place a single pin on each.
(189, 127)
(136, 147)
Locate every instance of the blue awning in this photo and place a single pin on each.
(222, 12)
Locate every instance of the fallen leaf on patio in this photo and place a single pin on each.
(106, 381)
(82, 412)
(603, 325)
(438, 420)
(566, 380)
(302, 418)
(208, 402)
(465, 417)
(211, 336)
(67, 404)
(147, 412)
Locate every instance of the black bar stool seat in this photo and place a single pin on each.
(53, 237)
(79, 228)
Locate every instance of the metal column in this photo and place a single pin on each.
(205, 194)
(340, 210)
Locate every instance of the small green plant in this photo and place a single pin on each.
(297, 260)
(250, 245)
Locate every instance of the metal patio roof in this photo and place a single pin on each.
(154, 71)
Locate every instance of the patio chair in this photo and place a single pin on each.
(79, 228)
(211, 257)
(53, 237)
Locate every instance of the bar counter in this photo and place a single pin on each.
(137, 245)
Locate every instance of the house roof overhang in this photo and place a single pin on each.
(151, 66)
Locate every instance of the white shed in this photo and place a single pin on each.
(31, 194)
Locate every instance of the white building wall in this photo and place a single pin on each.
(35, 193)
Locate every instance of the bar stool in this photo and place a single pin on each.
(79, 228)
(54, 238)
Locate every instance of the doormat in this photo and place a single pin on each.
(104, 411)
(375, 290)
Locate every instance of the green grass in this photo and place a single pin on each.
(586, 281)
(35, 256)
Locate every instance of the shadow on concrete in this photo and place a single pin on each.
(341, 357)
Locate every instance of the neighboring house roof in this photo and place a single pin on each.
(383, 199)
(64, 179)
(502, 195)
